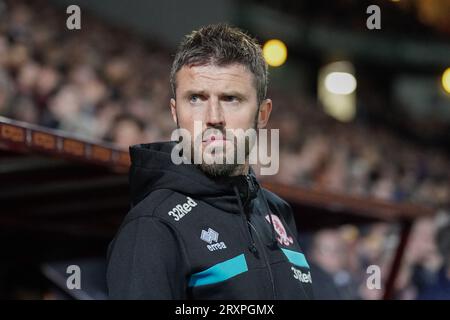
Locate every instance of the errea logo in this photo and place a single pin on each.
(180, 210)
(211, 236)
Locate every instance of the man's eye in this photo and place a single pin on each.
(230, 98)
(194, 98)
(197, 98)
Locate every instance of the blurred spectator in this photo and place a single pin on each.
(126, 130)
(439, 289)
(329, 268)
(23, 109)
(5, 92)
(423, 254)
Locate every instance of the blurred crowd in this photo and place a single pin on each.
(355, 158)
(103, 83)
(95, 82)
(345, 261)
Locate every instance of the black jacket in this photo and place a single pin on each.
(188, 236)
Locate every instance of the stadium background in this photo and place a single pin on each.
(367, 172)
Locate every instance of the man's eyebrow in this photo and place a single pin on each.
(202, 92)
(188, 93)
(234, 93)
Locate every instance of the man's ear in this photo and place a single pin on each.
(265, 109)
(173, 110)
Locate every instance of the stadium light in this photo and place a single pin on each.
(446, 80)
(337, 90)
(340, 82)
(275, 52)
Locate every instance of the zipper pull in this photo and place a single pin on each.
(251, 185)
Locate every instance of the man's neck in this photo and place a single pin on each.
(242, 170)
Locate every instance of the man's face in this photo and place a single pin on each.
(221, 98)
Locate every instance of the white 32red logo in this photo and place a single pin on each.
(283, 237)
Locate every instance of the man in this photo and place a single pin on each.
(440, 289)
(208, 231)
(328, 263)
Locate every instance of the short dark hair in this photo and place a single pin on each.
(221, 45)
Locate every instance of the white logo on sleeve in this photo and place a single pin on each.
(212, 237)
(302, 276)
(180, 210)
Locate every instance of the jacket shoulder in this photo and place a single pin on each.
(276, 201)
(282, 208)
(159, 204)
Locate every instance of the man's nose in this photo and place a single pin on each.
(214, 115)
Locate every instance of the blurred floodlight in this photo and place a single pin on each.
(337, 90)
(340, 82)
(446, 80)
(275, 52)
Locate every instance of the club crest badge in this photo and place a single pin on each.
(282, 237)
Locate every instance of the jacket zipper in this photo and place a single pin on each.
(246, 218)
(266, 260)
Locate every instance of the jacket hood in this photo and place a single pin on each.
(152, 169)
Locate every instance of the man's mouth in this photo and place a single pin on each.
(215, 141)
(213, 138)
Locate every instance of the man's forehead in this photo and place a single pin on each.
(231, 76)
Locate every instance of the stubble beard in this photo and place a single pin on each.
(225, 169)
